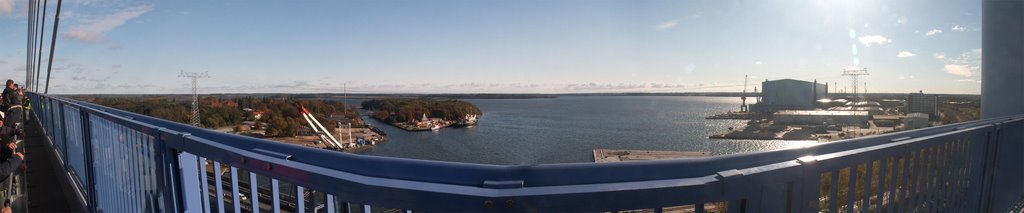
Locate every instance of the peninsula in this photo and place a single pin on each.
(423, 114)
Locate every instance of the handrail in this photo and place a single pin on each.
(539, 175)
(737, 179)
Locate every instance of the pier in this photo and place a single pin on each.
(616, 155)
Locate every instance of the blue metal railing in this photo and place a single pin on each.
(125, 162)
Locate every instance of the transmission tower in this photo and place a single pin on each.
(195, 76)
(854, 73)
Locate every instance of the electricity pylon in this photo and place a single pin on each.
(854, 73)
(195, 76)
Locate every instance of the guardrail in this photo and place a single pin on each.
(125, 162)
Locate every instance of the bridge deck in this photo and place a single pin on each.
(48, 189)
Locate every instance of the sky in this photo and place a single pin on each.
(523, 46)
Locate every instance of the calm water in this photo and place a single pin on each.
(566, 129)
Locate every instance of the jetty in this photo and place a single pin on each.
(736, 116)
(615, 155)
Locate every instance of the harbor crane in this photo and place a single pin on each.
(743, 107)
(319, 129)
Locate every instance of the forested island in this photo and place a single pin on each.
(264, 116)
(418, 114)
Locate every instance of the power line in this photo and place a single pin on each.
(195, 76)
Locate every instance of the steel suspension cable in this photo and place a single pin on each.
(39, 60)
(53, 43)
(28, 39)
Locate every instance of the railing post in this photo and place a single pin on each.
(64, 132)
(191, 190)
(988, 163)
(63, 136)
(808, 189)
(87, 153)
(167, 172)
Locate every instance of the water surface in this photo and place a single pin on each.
(567, 128)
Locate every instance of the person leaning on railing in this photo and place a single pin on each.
(12, 159)
(9, 148)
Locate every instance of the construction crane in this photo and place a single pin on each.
(743, 107)
(319, 129)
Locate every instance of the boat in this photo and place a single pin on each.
(435, 127)
(467, 121)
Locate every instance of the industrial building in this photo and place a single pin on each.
(921, 103)
(789, 94)
(872, 107)
(915, 121)
(818, 117)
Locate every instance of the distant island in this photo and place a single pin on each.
(272, 117)
(422, 114)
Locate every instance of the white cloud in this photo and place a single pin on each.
(904, 54)
(965, 64)
(901, 20)
(6, 6)
(94, 30)
(959, 69)
(939, 55)
(933, 32)
(869, 40)
(969, 81)
(667, 25)
(759, 62)
(959, 28)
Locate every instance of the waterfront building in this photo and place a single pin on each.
(922, 103)
(790, 94)
(818, 117)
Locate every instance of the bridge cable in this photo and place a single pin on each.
(32, 21)
(29, 43)
(32, 50)
(53, 43)
(39, 60)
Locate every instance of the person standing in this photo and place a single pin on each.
(12, 105)
(26, 104)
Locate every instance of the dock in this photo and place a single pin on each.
(736, 116)
(615, 155)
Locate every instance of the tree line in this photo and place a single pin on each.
(279, 115)
(411, 110)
